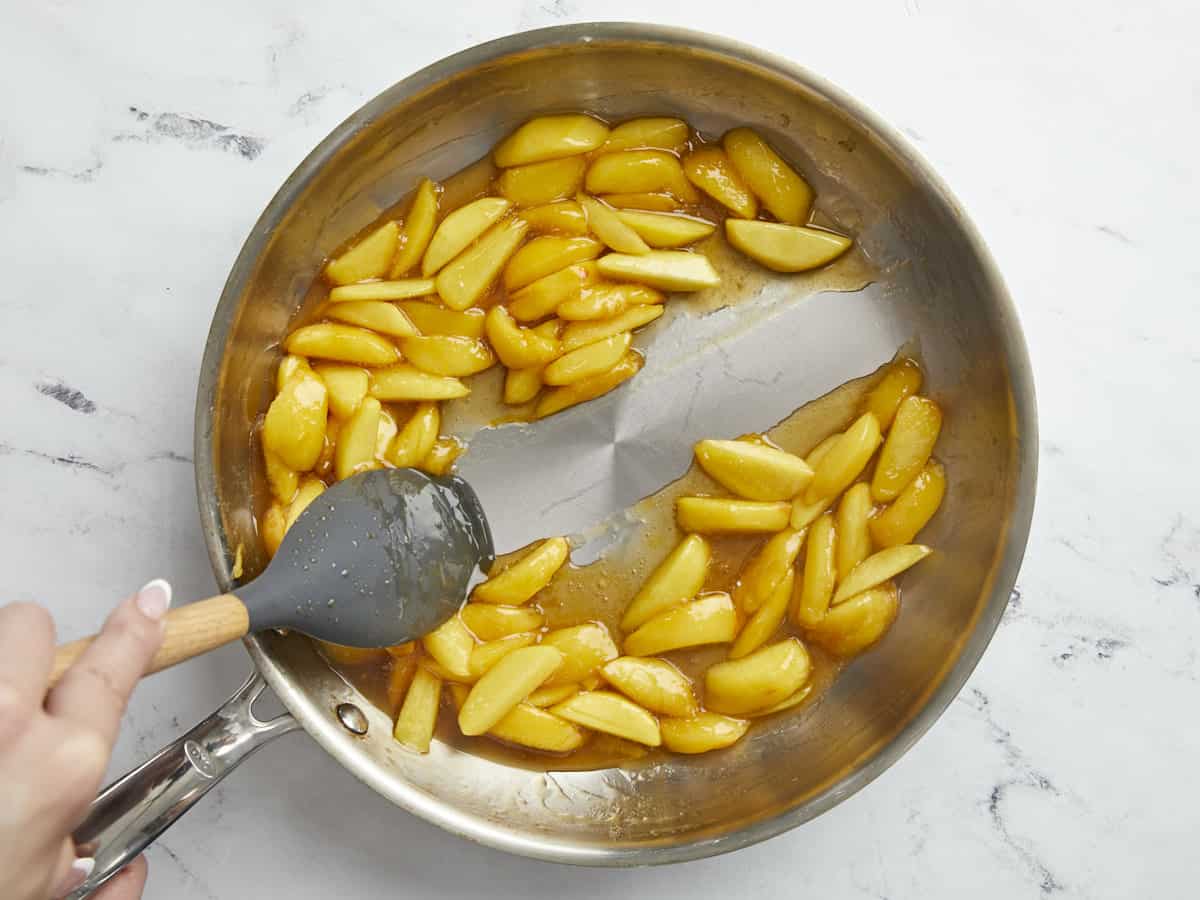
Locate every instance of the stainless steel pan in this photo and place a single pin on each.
(933, 283)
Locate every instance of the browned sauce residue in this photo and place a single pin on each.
(599, 591)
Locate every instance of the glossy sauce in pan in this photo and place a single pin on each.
(599, 592)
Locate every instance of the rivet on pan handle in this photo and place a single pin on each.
(135, 809)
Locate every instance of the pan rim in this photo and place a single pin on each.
(1005, 567)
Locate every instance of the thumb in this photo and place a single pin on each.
(126, 884)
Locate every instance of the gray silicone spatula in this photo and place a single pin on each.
(381, 558)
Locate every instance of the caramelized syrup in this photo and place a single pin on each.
(600, 590)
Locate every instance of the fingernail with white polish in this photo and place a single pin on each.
(154, 599)
(80, 869)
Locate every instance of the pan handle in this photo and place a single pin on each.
(136, 808)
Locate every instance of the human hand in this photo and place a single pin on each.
(55, 747)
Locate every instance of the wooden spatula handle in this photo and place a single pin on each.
(190, 630)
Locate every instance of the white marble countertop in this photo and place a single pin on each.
(138, 143)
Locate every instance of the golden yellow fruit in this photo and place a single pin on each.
(853, 533)
(272, 528)
(560, 398)
(342, 343)
(517, 347)
(324, 465)
(782, 191)
(385, 434)
(709, 619)
(542, 297)
(909, 513)
(347, 385)
(400, 678)
(759, 578)
(753, 471)
(908, 447)
(490, 622)
(458, 690)
(460, 229)
(804, 514)
(540, 183)
(648, 133)
(487, 654)
(667, 270)
(637, 172)
(606, 301)
(528, 575)
(545, 255)
(434, 319)
(650, 202)
(766, 620)
(560, 217)
(283, 481)
(425, 661)
(522, 385)
(787, 703)
(585, 648)
(722, 515)
(587, 361)
(528, 726)
(405, 382)
(418, 715)
(548, 696)
(465, 281)
(580, 334)
(550, 137)
(377, 315)
(404, 289)
(417, 229)
(310, 489)
(902, 379)
(819, 452)
(528, 270)
(820, 572)
(451, 645)
(415, 440)
(294, 428)
(441, 456)
(878, 568)
(610, 228)
(785, 248)
(447, 355)
(845, 460)
(678, 578)
(666, 230)
(369, 258)
(653, 683)
(504, 685)
(355, 450)
(612, 714)
(289, 366)
(851, 627)
(549, 330)
(701, 733)
(757, 681)
(710, 169)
